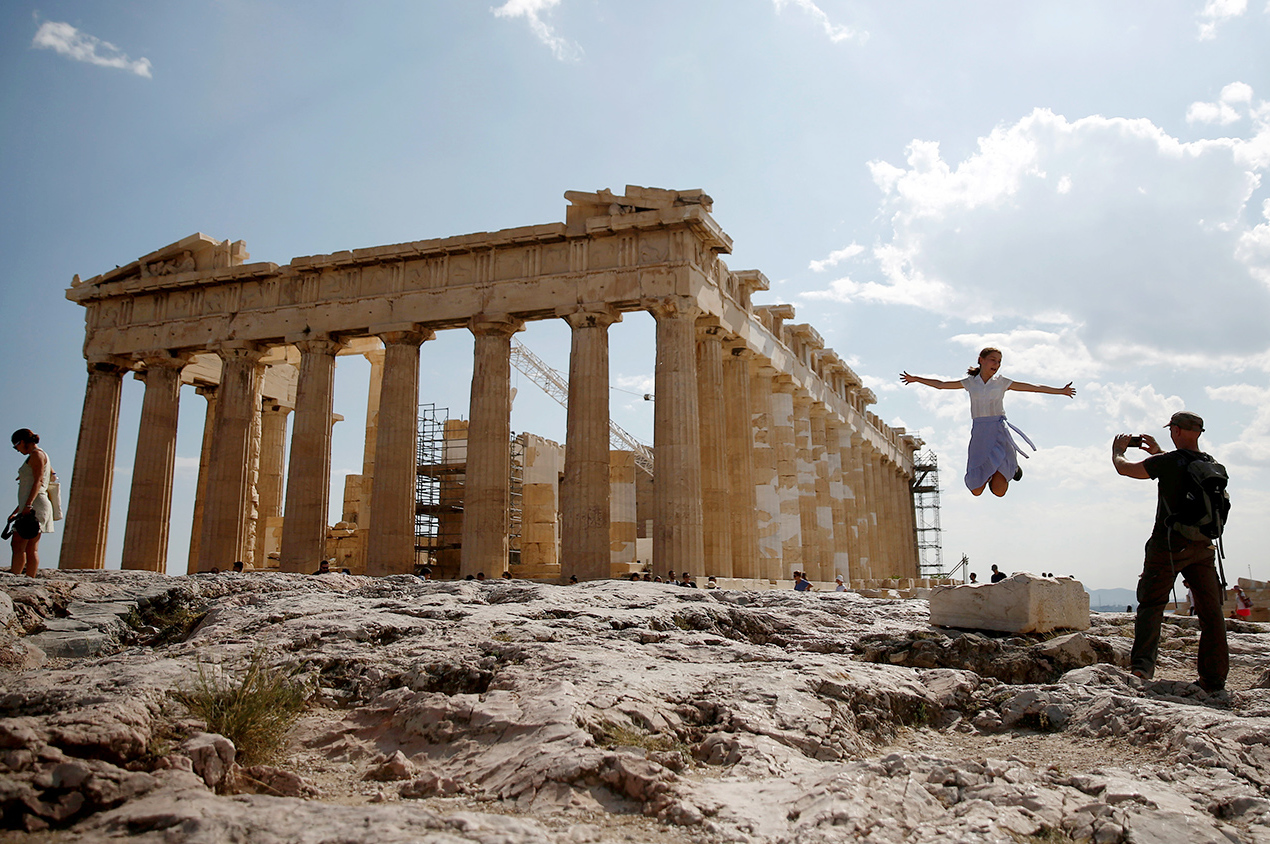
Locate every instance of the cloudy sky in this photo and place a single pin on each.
(1079, 183)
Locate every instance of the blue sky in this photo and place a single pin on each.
(1080, 183)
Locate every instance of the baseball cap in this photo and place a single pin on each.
(1186, 420)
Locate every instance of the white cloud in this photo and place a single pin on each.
(1223, 111)
(1135, 240)
(836, 257)
(82, 47)
(1133, 408)
(1253, 443)
(532, 11)
(1217, 11)
(836, 32)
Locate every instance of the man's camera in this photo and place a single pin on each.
(1135, 441)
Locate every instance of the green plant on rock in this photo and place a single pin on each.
(255, 710)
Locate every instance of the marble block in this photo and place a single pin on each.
(1023, 603)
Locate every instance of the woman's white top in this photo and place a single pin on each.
(986, 399)
(43, 508)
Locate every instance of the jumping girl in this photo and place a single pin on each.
(992, 461)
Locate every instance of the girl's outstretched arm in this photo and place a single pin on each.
(930, 382)
(1023, 386)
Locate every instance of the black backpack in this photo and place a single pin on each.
(1205, 503)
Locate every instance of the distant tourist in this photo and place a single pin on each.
(1170, 553)
(507, 575)
(993, 459)
(711, 583)
(801, 583)
(997, 575)
(1243, 604)
(238, 566)
(324, 567)
(841, 585)
(974, 578)
(634, 576)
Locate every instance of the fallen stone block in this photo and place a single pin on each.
(1019, 604)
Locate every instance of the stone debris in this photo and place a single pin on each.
(613, 711)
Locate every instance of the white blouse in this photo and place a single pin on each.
(986, 399)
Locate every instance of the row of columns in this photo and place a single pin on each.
(753, 479)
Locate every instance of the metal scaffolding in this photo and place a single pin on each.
(925, 487)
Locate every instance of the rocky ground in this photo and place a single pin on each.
(609, 712)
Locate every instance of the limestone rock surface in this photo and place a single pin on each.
(508, 711)
(1022, 603)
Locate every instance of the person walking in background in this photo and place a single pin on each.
(33, 482)
(1169, 553)
(993, 456)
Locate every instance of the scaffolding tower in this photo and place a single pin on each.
(439, 476)
(925, 487)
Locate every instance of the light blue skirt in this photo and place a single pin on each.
(992, 450)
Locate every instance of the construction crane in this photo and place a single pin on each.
(553, 384)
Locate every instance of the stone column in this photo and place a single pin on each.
(487, 492)
(806, 486)
(622, 529)
(309, 474)
(376, 359)
(229, 467)
(787, 472)
(739, 436)
(390, 543)
(584, 493)
(767, 515)
(200, 487)
(824, 500)
(860, 451)
(540, 509)
(88, 507)
(145, 541)
(273, 465)
(716, 503)
(678, 541)
(839, 496)
(875, 514)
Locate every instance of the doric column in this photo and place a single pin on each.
(678, 542)
(584, 493)
(200, 486)
(716, 503)
(787, 473)
(767, 514)
(309, 473)
(88, 508)
(145, 541)
(390, 543)
(806, 469)
(273, 463)
(229, 468)
(376, 359)
(839, 496)
(739, 436)
(875, 514)
(860, 451)
(622, 529)
(486, 488)
(823, 481)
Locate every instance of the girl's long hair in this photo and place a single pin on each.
(975, 370)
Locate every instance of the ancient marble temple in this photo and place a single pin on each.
(766, 457)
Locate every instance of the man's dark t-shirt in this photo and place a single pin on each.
(1169, 469)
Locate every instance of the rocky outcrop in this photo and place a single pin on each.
(513, 711)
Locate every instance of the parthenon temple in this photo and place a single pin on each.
(766, 457)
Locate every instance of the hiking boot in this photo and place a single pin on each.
(1141, 675)
(1211, 686)
(1018, 474)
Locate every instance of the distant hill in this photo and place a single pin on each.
(1112, 600)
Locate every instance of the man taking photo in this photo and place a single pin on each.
(1169, 553)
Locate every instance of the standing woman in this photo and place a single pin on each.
(992, 461)
(33, 484)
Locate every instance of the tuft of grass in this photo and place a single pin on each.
(255, 711)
